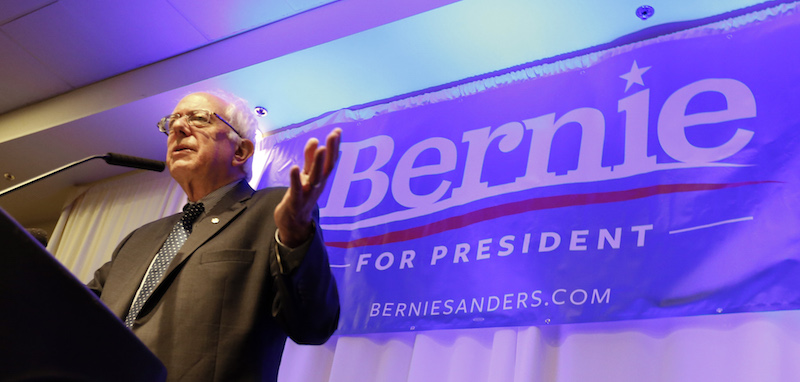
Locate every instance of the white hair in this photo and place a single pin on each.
(239, 114)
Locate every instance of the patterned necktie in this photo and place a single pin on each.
(180, 232)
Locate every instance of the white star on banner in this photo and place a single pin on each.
(634, 76)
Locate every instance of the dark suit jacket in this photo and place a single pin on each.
(224, 308)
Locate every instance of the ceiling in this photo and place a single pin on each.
(85, 77)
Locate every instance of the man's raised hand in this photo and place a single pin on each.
(294, 213)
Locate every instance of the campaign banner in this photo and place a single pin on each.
(654, 179)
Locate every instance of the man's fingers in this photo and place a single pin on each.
(332, 143)
(315, 176)
(310, 151)
(295, 183)
(319, 163)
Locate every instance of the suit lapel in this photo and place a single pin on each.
(223, 213)
(136, 267)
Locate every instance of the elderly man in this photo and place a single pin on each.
(214, 292)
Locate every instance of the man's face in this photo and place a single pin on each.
(204, 154)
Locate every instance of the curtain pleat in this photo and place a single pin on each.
(744, 347)
(97, 220)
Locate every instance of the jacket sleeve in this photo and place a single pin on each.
(101, 274)
(306, 300)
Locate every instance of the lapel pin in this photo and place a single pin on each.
(214, 220)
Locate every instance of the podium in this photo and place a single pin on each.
(53, 328)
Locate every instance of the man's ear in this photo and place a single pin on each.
(244, 151)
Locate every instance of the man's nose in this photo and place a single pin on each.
(181, 126)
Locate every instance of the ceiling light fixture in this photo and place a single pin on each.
(645, 12)
(261, 111)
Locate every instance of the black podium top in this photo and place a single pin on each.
(53, 328)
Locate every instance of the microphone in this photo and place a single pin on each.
(135, 162)
(110, 158)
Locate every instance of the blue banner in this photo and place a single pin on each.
(654, 179)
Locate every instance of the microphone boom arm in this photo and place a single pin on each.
(110, 158)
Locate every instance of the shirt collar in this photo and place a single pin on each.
(211, 200)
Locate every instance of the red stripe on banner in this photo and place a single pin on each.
(535, 204)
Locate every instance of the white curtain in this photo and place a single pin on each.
(726, 347)
(92, 225)
(729, 347)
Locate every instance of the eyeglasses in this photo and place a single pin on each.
(197, 118)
